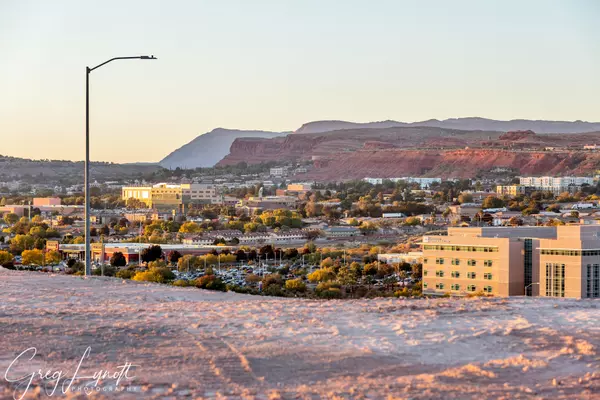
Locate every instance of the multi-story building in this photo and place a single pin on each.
(510, 190)
(163, 196)
(570, 264)
(424, 183)
(561, 261)
(555, 184)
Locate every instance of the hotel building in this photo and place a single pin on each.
(561, 261)
(164, 196)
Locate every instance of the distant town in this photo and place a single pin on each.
(259, 229)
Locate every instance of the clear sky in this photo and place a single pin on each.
(275, 64)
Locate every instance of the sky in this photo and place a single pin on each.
(276, 64)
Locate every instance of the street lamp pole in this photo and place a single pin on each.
(86, 171)
(534, 283)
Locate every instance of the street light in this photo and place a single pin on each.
(534, 283)
(86, 174)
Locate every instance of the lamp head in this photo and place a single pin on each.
(148, 57)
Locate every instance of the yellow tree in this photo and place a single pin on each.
(34, 256)
(53, 257)
(5, 257)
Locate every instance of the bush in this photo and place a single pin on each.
(125, 274)
(241, 289)
(480, 293)
(329, 290)
(295, 285)
(272, 280)
(273, 290)
(158, 275)
(331, 293)
(108, 271)
(182, 283)
(210, 282)
(404, 292)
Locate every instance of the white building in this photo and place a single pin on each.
(555, 184)
(424, 183)
(412, 257)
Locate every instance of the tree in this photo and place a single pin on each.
(20, 243)
(492, 202)
(295, 285)
(174, 256)
(11, 218)
(152, 253)
(190, 227)
(53, 257)
(34, 256)
(118, 259)
(321, 275)
(465, 198)
(5, 257)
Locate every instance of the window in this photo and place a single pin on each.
(439, 286)
(593, 280)
(555, 280)
(472, 263)
(471, 275)
(455, 261)
(424, 272)
(439, 261)
(424, 261)
(487, 289)
(424, 285)
(471, 288)
(455, 274)
(487, 263)
(572, 253)
(486, 249)
(439, 274)
(487, 276)
(455, 286)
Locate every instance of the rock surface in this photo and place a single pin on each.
(199, 344)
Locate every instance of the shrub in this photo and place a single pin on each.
(241, 289)
(182, 283)
(210, 282)
(295, 285)
(272, 280)
(164, 272)
(402, 293)
(331, 293)
(108, 271)
(148, 276)
(125, 274)
(329, 290)
(273, 290)
(477, 294)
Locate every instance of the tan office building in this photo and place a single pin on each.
(561, 261)
(169, 197)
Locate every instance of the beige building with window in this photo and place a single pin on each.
(561, 261)
(163, 196)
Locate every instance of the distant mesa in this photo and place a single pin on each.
(517, 135)
(208, 149)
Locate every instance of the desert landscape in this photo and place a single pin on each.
(191, 343)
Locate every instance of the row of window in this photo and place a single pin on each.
(456, 287)
(457, 261)
(593, 280)
(575, 253)
(456, 274)
(485, 249)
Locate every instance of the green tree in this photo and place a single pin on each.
(118, 259)
(492, 202)
(53, 257)
(11, 218)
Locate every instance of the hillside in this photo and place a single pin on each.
(192, 343)
(45, 171)
(470, 123)
(208, 149)
(422, 151)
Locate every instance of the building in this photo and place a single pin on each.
(278, 171)
(412, 257)
(561, 261)
(46, 201)
(555, 184)
(570, 263)
(341, 231)
(424, 183)
(510, 190)
(168, 197)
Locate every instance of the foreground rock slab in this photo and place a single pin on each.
(190, 343)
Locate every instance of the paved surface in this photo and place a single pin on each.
(190, 343)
